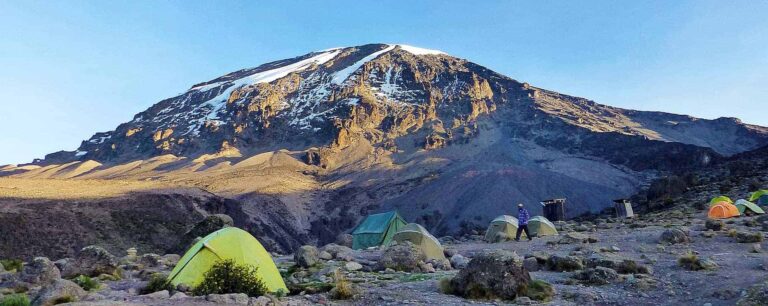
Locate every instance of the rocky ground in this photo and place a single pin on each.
(598, 262)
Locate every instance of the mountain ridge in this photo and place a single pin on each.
(329, 136)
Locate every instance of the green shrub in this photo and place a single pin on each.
(15, 300)
(226, 276)
(342, 290)
(86, 282)
(540, 290)
(12, 264)
(157, 282)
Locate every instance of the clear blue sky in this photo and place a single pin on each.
(72, 68)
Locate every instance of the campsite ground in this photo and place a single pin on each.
(668, 284)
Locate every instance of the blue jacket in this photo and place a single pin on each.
(522, 216)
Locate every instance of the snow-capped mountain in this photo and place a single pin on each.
(380, 91)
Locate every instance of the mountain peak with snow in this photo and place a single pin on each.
(380, 92)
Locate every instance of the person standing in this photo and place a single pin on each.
(522, 222)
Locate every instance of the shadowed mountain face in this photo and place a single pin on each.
(315, 142)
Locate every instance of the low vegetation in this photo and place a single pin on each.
(12, 264)
(157, 282)
(226, 276)
(342, 289)
(540, 290)
(86, 282)
(692, 262)
(15, 300)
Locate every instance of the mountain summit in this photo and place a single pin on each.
(309, 144)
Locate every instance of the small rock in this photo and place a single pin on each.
(523, 300)
(325, 255)
(170, 259)
(352, 266)
(344, 239)
(714, 225)
(179, 295)
(459, 262)
(231, 298)
(260, 301)
(91, 261)
(150, 260)
(756, 248)
(162, 294)
(564, 263)
(449, 252)
(426, 267)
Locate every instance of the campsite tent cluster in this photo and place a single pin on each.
(376, 230)
(723, 207)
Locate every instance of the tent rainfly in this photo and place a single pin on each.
(759, 197)
(502, 228)
(229, 243)
(422, 239)
(745, 206)
(723, 210)
(376, 230)
(719, 199)
(540, 226)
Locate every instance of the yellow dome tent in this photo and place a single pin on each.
(226, 243)
(422, 239)
(719, 199)
(540, 226)
(504, 224)
(759, 197)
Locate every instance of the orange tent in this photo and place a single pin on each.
(723, 210)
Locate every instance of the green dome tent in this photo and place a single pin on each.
(744, 205)
(503, 224)
(376, 230)
(719, 199)
(759, 197)
(422, 239)
(225, 244)
(540, 226)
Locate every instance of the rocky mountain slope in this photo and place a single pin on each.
(310, 144)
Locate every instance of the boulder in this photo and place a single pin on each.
(629, 266)
(57, 291)
(179, 296)
(449, 252)
(339, 252)
(531, 264)
(459, 262)
(344, 239)
(441, 264)
(426, 267)
(228, 299)
(40, 271)
(673, 236)
(401, 257)
(91, 261)
(498, 274)
(597, 276)
(306, 256)
(564, 263)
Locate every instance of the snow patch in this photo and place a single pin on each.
(421, 51)
(343, 75)
(79, 153)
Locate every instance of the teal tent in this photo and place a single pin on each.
(376, 230)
